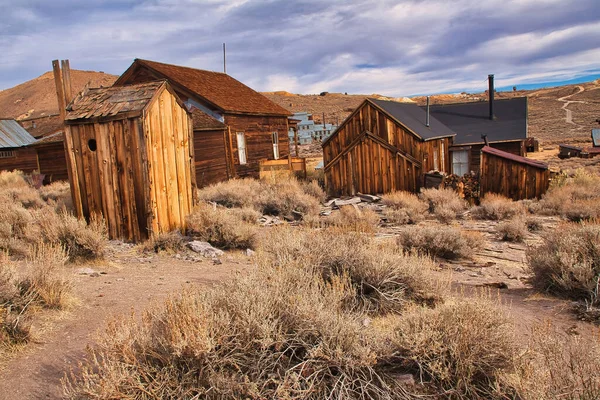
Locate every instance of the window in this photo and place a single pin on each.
(241, 145)
(460, 162)
(275, 136)
(7, 153)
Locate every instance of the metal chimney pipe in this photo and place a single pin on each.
(491, 95)
(427, 116)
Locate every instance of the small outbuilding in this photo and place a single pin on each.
(130, 158)
(14, 153)
(512, 176)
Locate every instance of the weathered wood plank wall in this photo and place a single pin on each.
(210, 148)
(512, 179)
(52, 161)
(24, 159)
(259, 142)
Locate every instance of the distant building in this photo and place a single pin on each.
(308, 130)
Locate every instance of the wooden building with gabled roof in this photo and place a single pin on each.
(253, 127)
(384, 146)
(130, 158)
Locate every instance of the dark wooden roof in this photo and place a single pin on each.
(44, 126)
(113, 101)
(414, 118)
(57, 137)
(203, 121)
(218, 89)
(513, 157)
(471, 120)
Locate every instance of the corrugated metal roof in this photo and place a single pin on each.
(13, 135)
(596, 137)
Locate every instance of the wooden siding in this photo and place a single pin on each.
(169, 140)
(25, 159)
(372, 153)
(512, 179)
(211, 156)
(52, 161)
(259, 142)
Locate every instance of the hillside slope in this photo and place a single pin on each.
(37, 97)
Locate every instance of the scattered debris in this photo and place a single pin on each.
(250, 252)
(205, 249)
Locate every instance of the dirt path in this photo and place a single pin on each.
(569, 113)
(127, 282)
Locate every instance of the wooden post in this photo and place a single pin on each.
(66, 78)
(296, 141)
(60, 92)
(233, 171)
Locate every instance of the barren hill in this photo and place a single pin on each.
(37, 97)
(557, 114)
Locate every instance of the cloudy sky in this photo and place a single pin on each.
(391, 47)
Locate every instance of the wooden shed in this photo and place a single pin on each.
(384, 146)
(130, 157)
(512, 176)
(14, 153)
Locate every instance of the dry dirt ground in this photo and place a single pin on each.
(128, 281)
(125, 282)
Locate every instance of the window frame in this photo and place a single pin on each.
(275, 141)
(465, 163)
(7, 154)
(242, 148)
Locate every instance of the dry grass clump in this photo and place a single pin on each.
(271, 198)
(576, 198)
(347, 219)
(312, 188)
(440, 241)
(57, 194)
(81, 240)
(384, 277)
(404, 207)
(27, 219)
(497, 207)
(232, 193)
(37, 284)
(461, 347)
(568, 262)
(221, 228)
(445, 204)
(558, 367)
(169, 242)
(284, 197)
(279, 333)
(514, 230)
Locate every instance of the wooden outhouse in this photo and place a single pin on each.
(130, 158)
(512, 176)
(384, 146)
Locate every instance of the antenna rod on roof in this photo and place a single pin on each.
(224, 60)
(491, 95)
(427, 116)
